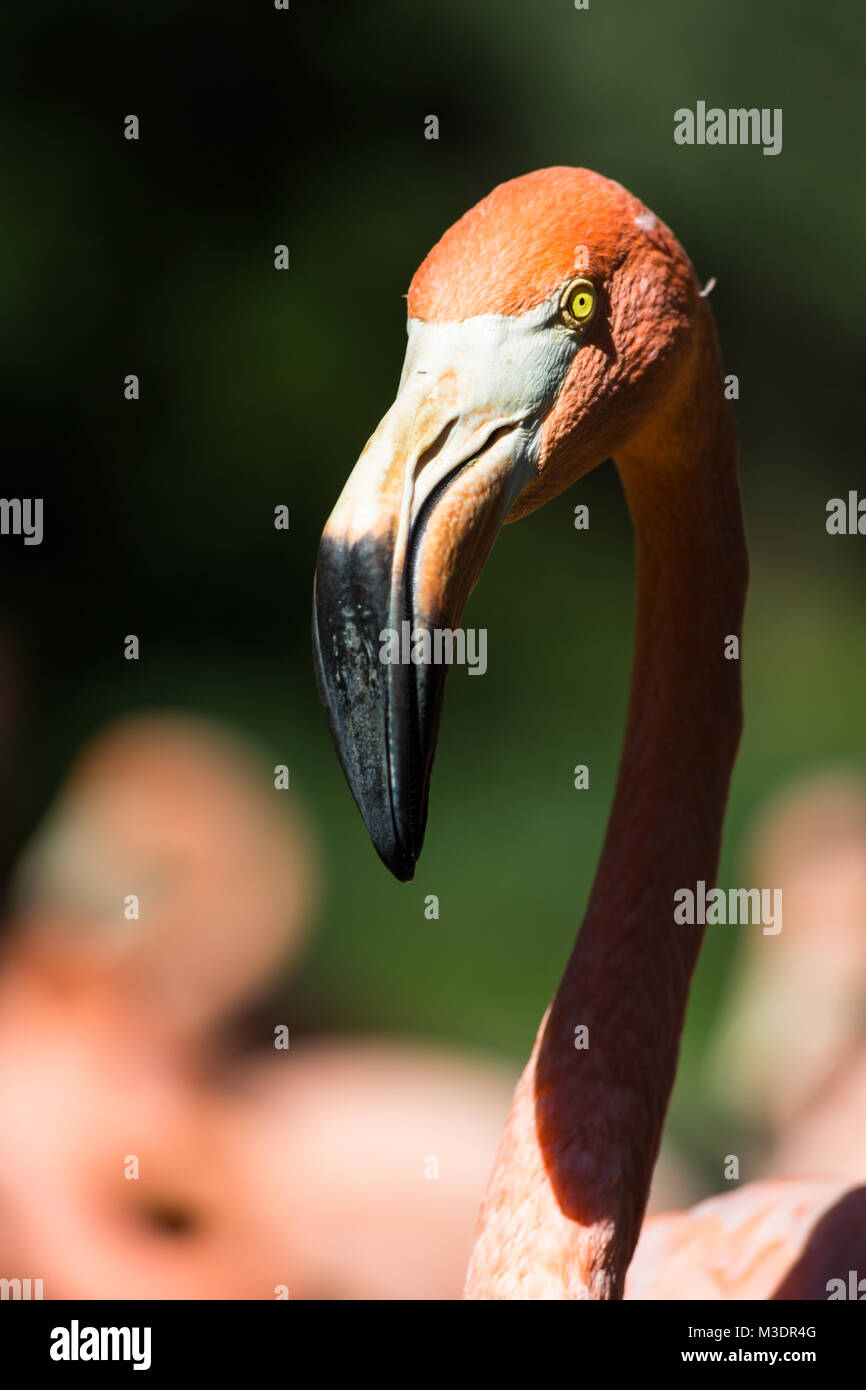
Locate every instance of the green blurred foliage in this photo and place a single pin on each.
(259, 388)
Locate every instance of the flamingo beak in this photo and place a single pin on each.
(401, 552)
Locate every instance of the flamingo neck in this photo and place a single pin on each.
(566, 1199)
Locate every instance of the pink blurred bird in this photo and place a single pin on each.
(141, 1154)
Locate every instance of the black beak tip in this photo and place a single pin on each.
(395, 858)
(353, 688)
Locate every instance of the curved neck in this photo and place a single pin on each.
(567, 1196)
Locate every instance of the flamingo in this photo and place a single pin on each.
(343, 1167)
(804, 1088)
(556, 324)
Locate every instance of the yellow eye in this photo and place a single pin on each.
(578, 302)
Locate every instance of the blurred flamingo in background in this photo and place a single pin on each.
(558, 323)
(306, 1171)
(789, 1059)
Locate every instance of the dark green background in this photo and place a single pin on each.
(258, 388)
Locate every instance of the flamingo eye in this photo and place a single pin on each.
(578, 303)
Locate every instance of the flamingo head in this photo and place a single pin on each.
(543, 329)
